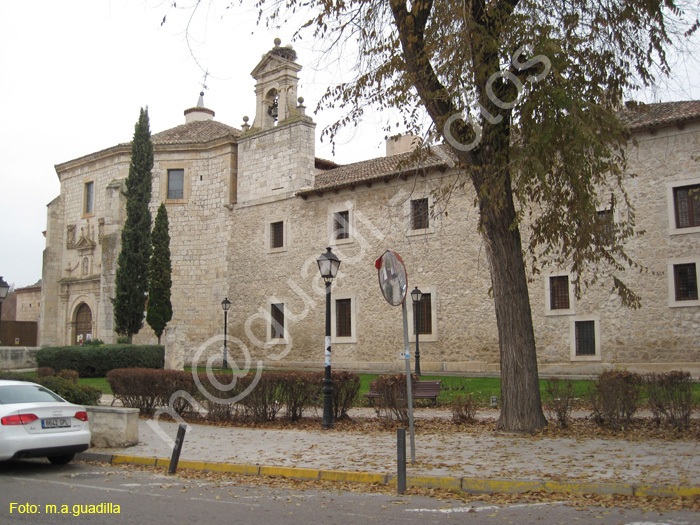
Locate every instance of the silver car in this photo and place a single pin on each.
(36, 422)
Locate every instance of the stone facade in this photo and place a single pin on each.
(258, 208)
(28, 303)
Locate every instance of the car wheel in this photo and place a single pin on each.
(61, 460)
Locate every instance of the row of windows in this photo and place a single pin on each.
(683, 287)
(343, 320)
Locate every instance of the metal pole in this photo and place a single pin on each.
(409, 387)
(327, 381)
(225, 337)
(415, 324)
(0, 321)
(177, 448)
(401, 460)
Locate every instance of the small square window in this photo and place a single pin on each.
(585, 338)
(686, 202)
(176, 184)
(341, 225)
(277, 321)
(89, 197)
(277, 234)
(559, 292)
(343, 318)
(686, 282)
(420, 214)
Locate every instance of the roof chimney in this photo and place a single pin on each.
(401, 144)
(199, 112)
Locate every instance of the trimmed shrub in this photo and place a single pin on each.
(615, 397)
(97, 361)
(561, 397)
(265, 400)
(94, 342)
(463, 409)
(123, 340)
(147, 388)
(299, 391)
(45, 371)
(78, 394)
(391, 403)
(346, 388)
(70, 375)
(670, 397)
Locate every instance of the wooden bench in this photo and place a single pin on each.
(421, 390)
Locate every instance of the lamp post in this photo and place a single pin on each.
(328, 265)
(4, 289)
(225, 305)
(416, 295)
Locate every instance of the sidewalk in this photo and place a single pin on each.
(493, 462)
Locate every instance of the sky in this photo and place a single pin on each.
(74, 73)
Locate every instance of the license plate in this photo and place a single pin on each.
(55, 422)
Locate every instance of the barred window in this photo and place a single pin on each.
(423, 315)
(343, 318)
(686, 201)
(686, 282)
(277, 323)
(585, 338)
(559, 292)
(420, 214)
(341, 225)
(277, 234)
(608, 223)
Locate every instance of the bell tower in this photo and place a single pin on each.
(276, 86)
(276, 155)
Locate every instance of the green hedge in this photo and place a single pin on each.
(97, 361)
(78, 394)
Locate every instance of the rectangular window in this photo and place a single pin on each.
(608, 223)
(585, 338)
(420, 214)
(686, 282)
(176, 184)
(277, 234)
(89, 196)
(341, 225)
(686, 202)
(277, 323)
(423, 315)
(559, 292)
(343, 318)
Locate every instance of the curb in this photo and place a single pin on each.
(467, 485)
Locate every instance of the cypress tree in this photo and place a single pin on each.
(131, 283)
(160, 310)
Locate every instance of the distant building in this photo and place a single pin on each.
(251, 209)
(29, 303)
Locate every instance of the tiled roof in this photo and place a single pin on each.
(639, 118)
(648, 116)
(378, 169)
(199, 131)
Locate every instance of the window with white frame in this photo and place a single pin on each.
(89, 200)
(423, 315)
(559, 296)
(585, 339)
(343, 320)
(176, 184)
(683, 282)
(683, 198)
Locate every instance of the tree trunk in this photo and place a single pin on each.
(521, 407)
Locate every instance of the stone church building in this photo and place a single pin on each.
(251, 209)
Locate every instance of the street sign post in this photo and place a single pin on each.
(393, 281)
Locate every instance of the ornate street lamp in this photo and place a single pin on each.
(328, 265)
(225, 305)
(416, 295)
(4, 289)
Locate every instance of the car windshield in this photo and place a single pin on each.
(11, 394)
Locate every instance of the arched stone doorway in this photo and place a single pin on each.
(83, 324)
